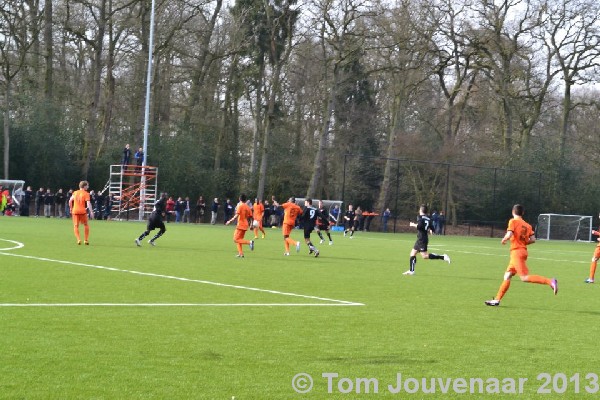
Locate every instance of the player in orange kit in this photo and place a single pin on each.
(595, 258)
(258, 211)
(80, 203)
(242, 213)
(291, 211)
(520, 235)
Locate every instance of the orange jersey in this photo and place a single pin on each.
(79, 201)
(258, 210)
(290, 213)
(243, 212)
(521, 232)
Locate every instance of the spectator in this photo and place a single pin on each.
(200, 209)
(139, 157)
(214, 209)
(179, 207)
(99, 205)
(67, 208)
(435, 220)
(48, 203)
(229, 209)
(39, 201)
(268, 213)
(126, 155)
(186, 210)
(359, 222)
(24, 210)
(170, 208)
(385, 217)
(441, 224)
(60, 200)
(110, 200)
(335, 213)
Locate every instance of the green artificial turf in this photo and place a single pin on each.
(188, 320)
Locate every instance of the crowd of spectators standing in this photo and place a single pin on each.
(45, 202)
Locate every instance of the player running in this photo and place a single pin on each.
(520, 235)
(349, 218)
(309, 220)
(424, 227)
(595, 258)
(155, 221)
(242, 213)
(323, 223)
(291, 211)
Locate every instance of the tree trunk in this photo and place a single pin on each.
(270, 125)
(319, 161)
(225, 128)
(201, 68)
(110, 82)
(564, 131)
(49, 43)
(384, 192)
(92, 123)
(258, 121)
(7, 129)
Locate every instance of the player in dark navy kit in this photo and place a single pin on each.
(309, 220)
(155, 221)
(323, 223)
(424, 227)
(350, 216)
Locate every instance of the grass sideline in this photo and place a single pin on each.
(431, 325)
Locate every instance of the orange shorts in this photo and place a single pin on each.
(239, 234)
(517, 264)
(80, 219)
(287, 229)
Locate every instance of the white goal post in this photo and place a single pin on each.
(564, 227)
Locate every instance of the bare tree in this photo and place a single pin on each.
(14, 47)
(572, 32)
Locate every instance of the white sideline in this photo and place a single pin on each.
(178, 304)
(303, 296)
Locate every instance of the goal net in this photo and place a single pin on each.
(564, 227)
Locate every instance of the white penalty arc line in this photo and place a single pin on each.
(177, 278)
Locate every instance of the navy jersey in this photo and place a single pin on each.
(324, 220)
(160, 207)
(309, 216)
(423, 228)
(351, 215)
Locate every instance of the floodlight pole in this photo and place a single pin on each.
(147, 114)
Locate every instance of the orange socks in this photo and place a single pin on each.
(539, 279)
(503, 288)
(287, 242)
(593, 269)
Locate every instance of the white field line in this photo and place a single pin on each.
(178, 304)
(177, 278)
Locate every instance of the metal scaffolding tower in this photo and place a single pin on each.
(135, 189)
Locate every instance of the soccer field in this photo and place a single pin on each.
(188, 320)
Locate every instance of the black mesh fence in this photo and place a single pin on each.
(473, 200)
